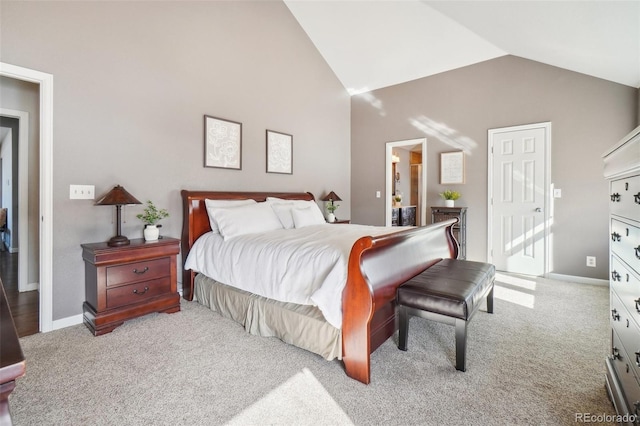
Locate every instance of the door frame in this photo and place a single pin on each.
(547, 187)
(45, 82)
(387, 174)
(23, 195)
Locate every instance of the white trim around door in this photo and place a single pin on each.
(387, 174)
(45, 81)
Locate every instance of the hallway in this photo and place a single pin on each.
(24, 306)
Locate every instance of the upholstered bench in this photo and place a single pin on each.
(450, 292)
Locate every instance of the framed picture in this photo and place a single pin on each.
(279, 152)
(222, 143)
(452, 167)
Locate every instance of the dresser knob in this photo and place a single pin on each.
(615, 276)
(615, 197)
(146, 289)
(637, 301)
(615, 315)
(637, 249)
(615, 353)
(636, 198)
(135, 271)
(638, 358)
(615, 236)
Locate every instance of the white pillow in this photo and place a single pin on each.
(211, 205)
(307, 216)
(283, 211)
(248, 219)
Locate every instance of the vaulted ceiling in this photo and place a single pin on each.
(371, 44)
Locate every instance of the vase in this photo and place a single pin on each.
(331, 218)
(151, 233)
(448, 203)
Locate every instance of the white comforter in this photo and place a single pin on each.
(307, 266)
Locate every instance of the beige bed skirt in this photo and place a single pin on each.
(300, 325)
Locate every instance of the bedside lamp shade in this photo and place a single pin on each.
(118, 197)
(332, 196)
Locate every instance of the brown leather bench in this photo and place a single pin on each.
(449, 292)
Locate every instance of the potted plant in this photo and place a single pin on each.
(151, 216)
(397, 200)
(331, 208)
(449, 197)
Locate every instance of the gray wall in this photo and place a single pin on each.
(25, 96)
(132, 81)
(588, 115)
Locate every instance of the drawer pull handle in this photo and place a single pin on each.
(637, 249)
(615, 197)
(637, 301)
(135, 271)
(636, 198)
(615, 276)
(638, 358)
(615, 315)
(615, 353)
(146, 289)
(615, 236)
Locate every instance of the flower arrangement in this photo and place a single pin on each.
(450, 195)
(151, 215)
(331, 207)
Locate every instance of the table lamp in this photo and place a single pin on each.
(118, 197)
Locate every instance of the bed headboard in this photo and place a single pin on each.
(195, 220)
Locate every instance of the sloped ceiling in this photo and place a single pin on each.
(376, 43)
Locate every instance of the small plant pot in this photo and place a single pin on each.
(151, 233)
(449, 203)
(331, 218)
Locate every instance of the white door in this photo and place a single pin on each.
(517, 217)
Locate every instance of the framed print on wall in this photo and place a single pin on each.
(222, 143)
(452, 167)
(279, 152)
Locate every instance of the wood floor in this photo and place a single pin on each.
(24, 306)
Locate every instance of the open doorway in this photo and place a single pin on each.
(43, 184)
(412, 179)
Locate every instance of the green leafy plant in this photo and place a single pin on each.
(397, 198)
(450, 195)
(331, 207)
(151, 215)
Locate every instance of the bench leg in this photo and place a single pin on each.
(490, 301)
(403, 331)
(461, 344)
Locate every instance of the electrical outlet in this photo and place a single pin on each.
(82, 192)
(591, 261)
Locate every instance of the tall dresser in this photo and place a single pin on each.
(622, 169)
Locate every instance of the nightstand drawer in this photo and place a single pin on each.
(138, 271)
(137, 292)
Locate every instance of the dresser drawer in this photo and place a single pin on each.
(628, 332)
(626, 285)
(625, 197)
(138, 271)
(628, 380)
(625, 242)
(137, 292)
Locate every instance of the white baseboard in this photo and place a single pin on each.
(576, 279)
(31, 287)
(67, 322)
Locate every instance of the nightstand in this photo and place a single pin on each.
(129, 281)
(337, 221)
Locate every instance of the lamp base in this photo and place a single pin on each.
(118, 240)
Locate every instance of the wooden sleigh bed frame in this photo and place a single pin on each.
(377, 266)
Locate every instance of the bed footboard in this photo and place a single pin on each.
(377, 266)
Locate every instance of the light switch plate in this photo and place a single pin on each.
(82, 192)
(557, 193)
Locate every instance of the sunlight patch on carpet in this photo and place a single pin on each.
(301, 400)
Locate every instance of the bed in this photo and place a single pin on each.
(376, 264)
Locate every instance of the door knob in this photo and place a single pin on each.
(538, 210)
